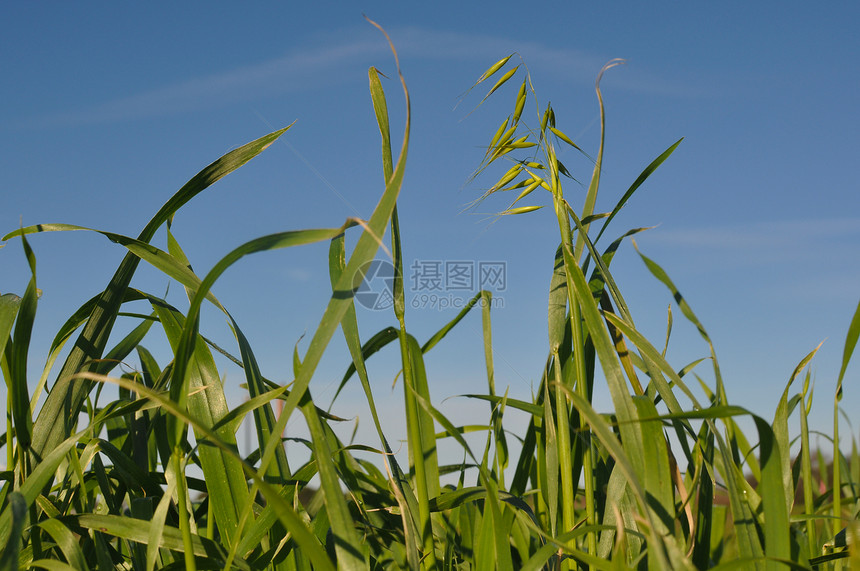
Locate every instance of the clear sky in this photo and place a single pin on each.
(108, 110)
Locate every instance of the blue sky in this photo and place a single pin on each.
(107, 111)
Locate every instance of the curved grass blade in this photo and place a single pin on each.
(132, 530)
(439, 335)
(67, 542)
(657, 480)
(16, 358)
(777, 543)
(9, 304)
(643, 176)
(341, 300)
(264, 416)
(186, 343)
(850, 343)
(780, 427)
(591, 195)
(168, 263)
(65, 400)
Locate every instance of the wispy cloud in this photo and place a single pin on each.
(789, 251)
(778, 234)
(564, 63)
(790, 261)
(299, 274)
(291, 72)
(317, 65)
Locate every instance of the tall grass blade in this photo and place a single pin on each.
(16, 359)
(776, 526)
(9, 304)
(351, 552)
(341, 299)
(226, 482)
(66, 398)
(643, 176)
(850, 343)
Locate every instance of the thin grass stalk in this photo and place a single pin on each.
(349, 548)
(182, 501)
(496, 410)
(806, 466)
(577, 351)
(413, 412)
(593, 187)
(850, 343)
(341, 300)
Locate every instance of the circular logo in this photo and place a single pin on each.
(374, 283)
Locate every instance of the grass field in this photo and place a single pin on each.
(665, 480)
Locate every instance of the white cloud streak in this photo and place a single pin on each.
(770, 235)
(296, 71)
(312, 67)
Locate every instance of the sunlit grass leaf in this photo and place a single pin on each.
(850, 344)
(351, 551)
(226, 481)
(9, 304)
(643, 176)
(132, 530)
(777, 544)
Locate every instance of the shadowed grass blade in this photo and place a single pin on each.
(16, 508)
(67, 543)
(16, 359)
(41, 475)
(132, 530)
(304, 539)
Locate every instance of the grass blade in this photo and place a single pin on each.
(66, 399)
(17, 515)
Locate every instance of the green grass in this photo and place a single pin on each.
(110, 484)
